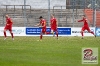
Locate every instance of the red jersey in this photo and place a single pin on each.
(8, 22)
(85, 21)
(43, 23)
(53, 23)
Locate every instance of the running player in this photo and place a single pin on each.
(85, 26)
(8, 26)
(53, 23)
(42, 25)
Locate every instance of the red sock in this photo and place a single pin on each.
(5, 34)
(57, 34)
(12, 35)
(40, 36)
(82, 33)
(92, 33)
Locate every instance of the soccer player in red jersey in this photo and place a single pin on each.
(42, 25)
(8, 26)
(53, 25)
(85, 26)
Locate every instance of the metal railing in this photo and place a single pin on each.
(14, 7)
(74, 11)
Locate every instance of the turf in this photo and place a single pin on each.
(27, 51)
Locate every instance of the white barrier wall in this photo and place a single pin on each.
(17, 31)
(75, 31)
(63, 31)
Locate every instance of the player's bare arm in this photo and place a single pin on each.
(37, 24)
(80, 20)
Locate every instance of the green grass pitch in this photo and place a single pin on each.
(27, 51)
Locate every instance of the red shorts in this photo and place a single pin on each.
(54, 28)
(43, 30)
(85, 28)
(8, 28)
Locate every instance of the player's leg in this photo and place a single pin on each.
(5, 33)
(88, 29)
(82, 30)
(41, 35)
(11, 33)
(56, 33)
(52, 31)
(42, 32)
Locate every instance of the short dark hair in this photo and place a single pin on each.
(40, 17)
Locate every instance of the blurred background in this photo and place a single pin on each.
(25, 13)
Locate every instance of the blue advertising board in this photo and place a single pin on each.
(36, 31)
(97, 31)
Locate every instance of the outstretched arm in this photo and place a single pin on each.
(37, 24)
(80, 20)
